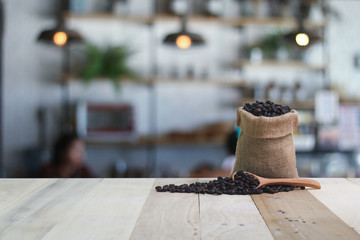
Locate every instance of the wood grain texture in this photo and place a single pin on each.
(342, 197)
(299, 215)
(14, 191)
(131, 208)
(231, 217)
(355, 180)
(169, 215)
(108, 211)
(35, 215)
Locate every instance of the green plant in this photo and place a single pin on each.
(109, 63)
(270, 44)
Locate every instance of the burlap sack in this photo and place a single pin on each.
(265, 146)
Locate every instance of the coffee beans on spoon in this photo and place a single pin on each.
(266, 109)
(243, 184)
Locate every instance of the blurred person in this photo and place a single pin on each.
(207, 170)
(204, 169)
(68, 159)
(229, 161)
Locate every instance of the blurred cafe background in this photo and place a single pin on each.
(151, 87)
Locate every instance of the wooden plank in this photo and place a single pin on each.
(342, 197)
(355, 180)
(169, 215)
(39, 212)
(109, 211)
(231, 217)
(13, 191)
(299, 215)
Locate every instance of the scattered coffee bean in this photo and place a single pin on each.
(243, 184)
(266, 109)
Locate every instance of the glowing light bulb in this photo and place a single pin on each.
(183, 42)
(60, 38)
(302, 39)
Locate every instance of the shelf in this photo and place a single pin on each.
(139, 19)
(270, 63)
(349, 101)
(67, 78)
(320, 151)
(152, 81)
(270, 21)
(210, 134)
(195, 144)
(145, 142)
(240, 84)
(108, 16)
(216, 81)
(303, 105)
(235, 22)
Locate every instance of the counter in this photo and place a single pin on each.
(132, 209)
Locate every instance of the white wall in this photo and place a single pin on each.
(343, 39)
(31, 70)
(30, 74)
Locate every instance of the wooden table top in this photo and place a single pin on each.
(132, 209)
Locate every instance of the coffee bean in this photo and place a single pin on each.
(267, 109)
(242, 184)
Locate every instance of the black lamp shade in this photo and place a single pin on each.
(291, 37)
(47, 36)
(196, 39)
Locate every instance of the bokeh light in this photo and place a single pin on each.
(60, 38)
(302, 39)
(183, 42)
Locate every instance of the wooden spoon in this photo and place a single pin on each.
(285, 181)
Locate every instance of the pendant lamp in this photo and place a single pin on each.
(59, 36)
(302, 37)
(184, 39)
